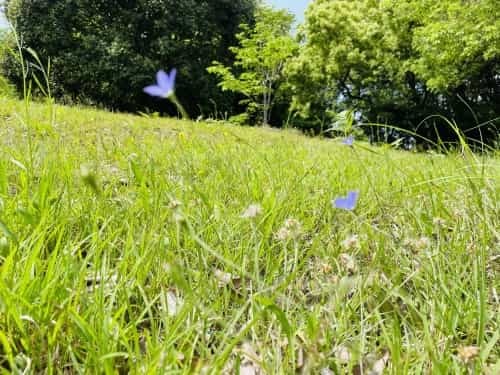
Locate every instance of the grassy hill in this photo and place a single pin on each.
(159, 246)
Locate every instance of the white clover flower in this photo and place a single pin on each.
(291, 230)
(351, 242)
(252, 211)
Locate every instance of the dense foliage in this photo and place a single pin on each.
(399, 62)
(6, 88)
(261, 55)
(106, 51)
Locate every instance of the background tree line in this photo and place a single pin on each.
(401, 63)
(105, 51)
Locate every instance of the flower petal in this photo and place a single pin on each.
(348, 203)
(353, 196)
(155, 90)
(349, 141)
(163, 80)
(171, 79)
(341, 203)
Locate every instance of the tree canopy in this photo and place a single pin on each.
(260, 59)
(105, 51)
(399, 62)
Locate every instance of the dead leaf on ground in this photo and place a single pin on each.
(250, 360)
(349, 263)
(248, 368)
(371, 366)
(108, 282)
(224, 278)
(380, 365)
(300, 359)
(326, 371)
(468, 353)
(343, 354)
(236, 282)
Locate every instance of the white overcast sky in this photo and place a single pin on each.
(296, 6)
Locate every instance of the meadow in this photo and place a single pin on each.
(143, 245)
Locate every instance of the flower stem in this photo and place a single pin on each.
(179, 106)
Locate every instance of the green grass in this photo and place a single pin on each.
(123, 249)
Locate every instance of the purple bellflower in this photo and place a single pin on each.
(165, 84)
(348, 203)
(349, 141)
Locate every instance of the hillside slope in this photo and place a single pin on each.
(156, 245)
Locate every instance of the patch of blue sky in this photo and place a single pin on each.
(297, 7)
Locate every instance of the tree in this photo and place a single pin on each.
(6, 88)
(399, 62)
(260, 59)
(458, 56)
(106, 51)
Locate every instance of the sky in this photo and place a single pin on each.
(296, 6)
(3, 22)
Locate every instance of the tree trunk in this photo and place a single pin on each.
(266, 107)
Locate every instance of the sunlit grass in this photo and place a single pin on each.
(123, 247)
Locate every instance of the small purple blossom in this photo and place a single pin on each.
(165, 84)
(348, 203)
(349, 141)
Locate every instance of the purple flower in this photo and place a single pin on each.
(165, 84)
(348, 203)
(349, 141)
